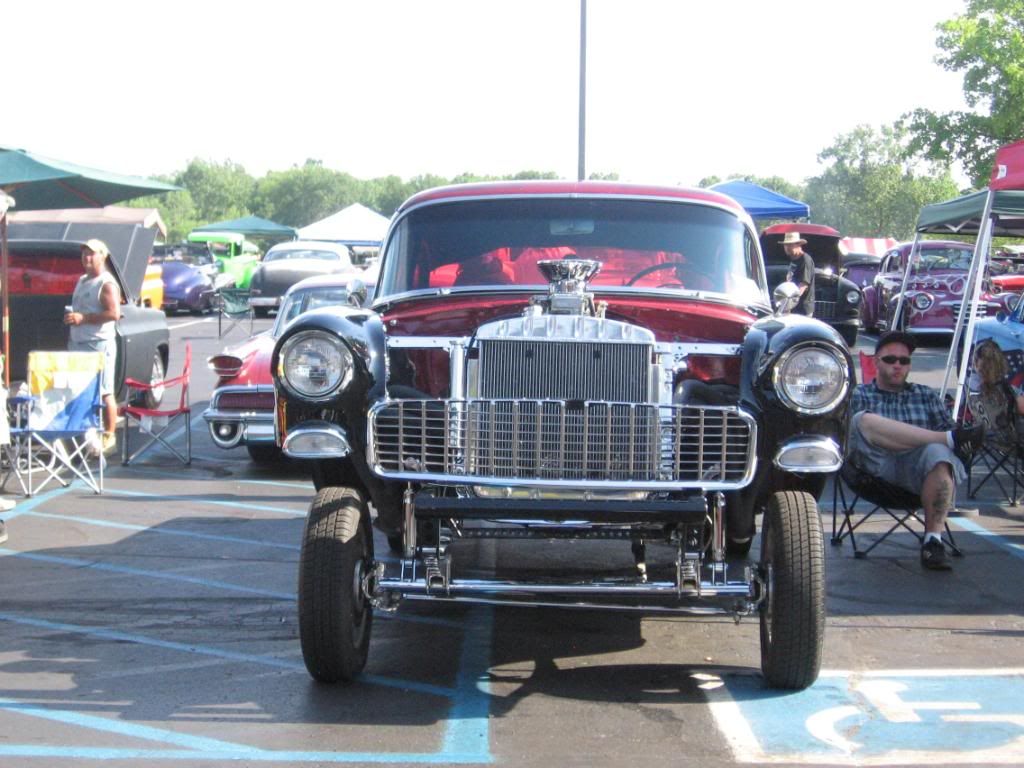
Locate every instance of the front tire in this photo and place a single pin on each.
(335, 618)
(153, 397)
(849, 335)
(793, 611)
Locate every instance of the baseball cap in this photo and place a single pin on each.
(896, 337)
(96, 246)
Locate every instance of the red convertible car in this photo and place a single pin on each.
(241, 410)
(591, 372)
(935, 289)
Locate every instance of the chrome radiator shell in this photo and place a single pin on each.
(563, 443)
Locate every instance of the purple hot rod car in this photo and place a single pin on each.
(934, 292)
(191, 276)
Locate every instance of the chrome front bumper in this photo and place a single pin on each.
(229, 429)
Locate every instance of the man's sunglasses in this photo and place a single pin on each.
(893, 359)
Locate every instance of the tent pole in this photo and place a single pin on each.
(4, 295)
(897, 316)
(971, 298)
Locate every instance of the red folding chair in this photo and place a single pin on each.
(156, 423)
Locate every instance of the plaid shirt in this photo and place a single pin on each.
(916, 404)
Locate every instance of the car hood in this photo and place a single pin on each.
(178, 275)
(824, 250)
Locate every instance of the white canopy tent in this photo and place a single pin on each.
(354, 225)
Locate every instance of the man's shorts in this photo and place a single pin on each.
(109, 349)
(906, 469)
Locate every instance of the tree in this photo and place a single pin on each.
(218, 190)
(869, 189)
(302, 195)
(986, 43)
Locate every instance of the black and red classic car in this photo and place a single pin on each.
(589, 373)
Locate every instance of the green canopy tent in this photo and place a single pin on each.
(31, 182)
(251, 226)
(986, 214)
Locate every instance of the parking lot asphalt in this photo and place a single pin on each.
(156, 625)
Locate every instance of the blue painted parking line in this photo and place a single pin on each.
(466, 739)
(894, 717)
(1012, 548)
(238, 502)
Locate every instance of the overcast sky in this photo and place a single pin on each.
(677, 90)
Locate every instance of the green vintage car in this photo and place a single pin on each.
(239, 256)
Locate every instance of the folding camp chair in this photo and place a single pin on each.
(851, 484)
(56, 427)
(1000, 457)
(156, 423)
(233, 309)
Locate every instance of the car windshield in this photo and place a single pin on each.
(639, 244)
(944, 258)
(197, 255)
(298, 302)
(302, 253)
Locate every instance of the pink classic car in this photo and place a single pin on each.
(934, 292)
(241, 410)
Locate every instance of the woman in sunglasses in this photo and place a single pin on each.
(902, 433)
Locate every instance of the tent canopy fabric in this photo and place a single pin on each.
(762, 203)
(251, 226)
(40, 183)
(1008, 169)
(353, 225)
(962, 215)
(110, 214)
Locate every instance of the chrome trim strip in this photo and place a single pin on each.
(465, 587)
(245, 417)
(677, 349)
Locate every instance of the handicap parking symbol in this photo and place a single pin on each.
(902, 717)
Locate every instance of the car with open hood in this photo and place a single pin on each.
(241, 409)
(45, 264)
(592, 368)
(934, 289)
(287, 263)
(836, 298)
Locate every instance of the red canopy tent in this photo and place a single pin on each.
(875, 246)
(1008, 169)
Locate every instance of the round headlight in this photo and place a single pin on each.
(853, 298)
(922, 301)
(811, 379)
(315, 364)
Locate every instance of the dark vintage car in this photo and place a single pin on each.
(934, 291)
(241, 410)
(45, 264)
(287, 263)
(590, 366)
(191, 276)
(836, 298)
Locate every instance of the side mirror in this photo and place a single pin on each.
(786, 296)
(356, 292)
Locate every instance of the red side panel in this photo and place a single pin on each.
(1008, 169)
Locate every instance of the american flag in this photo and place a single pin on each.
(1015, 363)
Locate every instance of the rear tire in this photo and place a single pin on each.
(261, 311)
(153, 397)
(335, 619)
(793, 610)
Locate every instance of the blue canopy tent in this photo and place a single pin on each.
(762, 203)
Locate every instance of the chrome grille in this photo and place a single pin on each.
(559, 370)
(563, 443)
(981, 310)
(824, 310)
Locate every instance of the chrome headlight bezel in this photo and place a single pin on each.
(833, 356)
(922, 301)
(853, 298)
(337, 373)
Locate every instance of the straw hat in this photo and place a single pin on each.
(793, 238)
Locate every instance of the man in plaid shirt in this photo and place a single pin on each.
(901, 433)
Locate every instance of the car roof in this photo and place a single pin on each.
(567, 188)
(820, 230)
(311, 245)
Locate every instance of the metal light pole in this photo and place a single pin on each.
(582, 173)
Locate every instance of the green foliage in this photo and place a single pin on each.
(302, 195)
(219, 190)
(868, 189)
(986, 43)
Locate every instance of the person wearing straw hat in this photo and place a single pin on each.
(95, 308)
(801, 272)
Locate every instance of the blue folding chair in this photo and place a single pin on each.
(56, 431)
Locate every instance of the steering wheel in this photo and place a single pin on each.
(654, 268)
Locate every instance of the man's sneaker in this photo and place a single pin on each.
(934, 557)
(967, 441)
